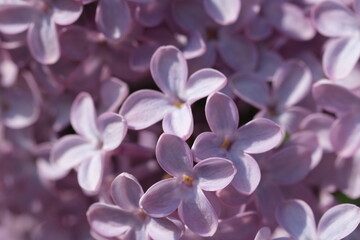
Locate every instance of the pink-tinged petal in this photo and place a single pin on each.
(90, 172)
(198, 214)
(113, 18)
(291, 83)
(107, 220)
(214, 173)
(297, 218)
(195, 46)
(70, 150)
(42, 39)
(136, 233)
(202, 83)
(163, 228)
(49, 171)
(238, 53)
(339, 221)
(349, 167)
(232, 197)
(258, 135)
(263, 234)
(283, 15)
(208, 144)
(291, 118)
(83, 117)
(179, 122)
(66, 12)
(126, 192)
(141, 56)
(258, 29)
(8, 70)
(334, 19)
(248, 174)
(169, 69)
(334, 98)
(112, 129)
(144, 108)
(69, 39)
(222, 114)
(251, 88)
(174, 155)
(15, 18)
(289, 165)
(340, 56)
(344, 134)
(162, 198)
(223, 12)
(113, 92)
(152, 13)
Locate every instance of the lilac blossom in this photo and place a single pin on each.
(169, 70)
(185, 191)
(87, 149)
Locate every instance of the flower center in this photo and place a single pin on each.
(226, 144)
(187, 180)
(178, 104)
(142, 214)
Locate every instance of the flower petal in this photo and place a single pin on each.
(263, 234)
(179, 122)
(207, 144)
(214, 173)
(113, 129)
(163, 228)
(297, 218)
(15, 18)
(161, 199)
(223, 12)
(339, 221)
(144, 108)
(174, 155)
(169, 70)
(66, 12)
(113, 92)
(90, 172)
(126, 192)
(113, 18)
(202, 83)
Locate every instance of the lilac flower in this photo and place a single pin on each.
(335, 20)
(228, 141)
(39, 17)
(169, 70)
(297, 218)
(127, 219)
(186, 190)
(95, 137)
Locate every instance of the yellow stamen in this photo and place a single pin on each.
(188, 180)
(225, 144)
(178, 104)
(142, 214)
(166, 176)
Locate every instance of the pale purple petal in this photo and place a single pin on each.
(43, 40)
(126, 192)
(90, 172)
(152, 13)
(169, 70)
(144, 108)
(162, 198)
(107, 220)
(248, 174)
(195, 46)
(70, 150)
(202, 83)
(113, 92)
(297, 218)
(198, 214)
(339, 221)
(83, 117)
(66, 12)
(258, 29)
(221, 114)
(179, 122)
(208, 144)
(223, 12)
(340, 56)
(15, 18)
(113, 18)
(334, 19)
(174, 155)
(163, 228)
(269, 62)
(291, 118)
(112, 128)
(263, 234)
(258, 135)
(232, 197)
(214, 173)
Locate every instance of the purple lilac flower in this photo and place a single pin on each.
(169, 70)
(185, 191)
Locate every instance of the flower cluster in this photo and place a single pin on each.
(179, 119)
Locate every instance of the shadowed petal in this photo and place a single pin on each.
(169, 70)
(223, 12)
(90, 172)
(339, 221)
(113, 129)
(15, 18)
(66, 12)
(214, 173)
(113, 18)
(113, 93)
(162, 228)
(107, 220)
(126, 192)
(179, 122)
(263, 234)
(144, 108)
(202, 83)
(198, 214)
(297, 218)
(43, 40)
(174, 155)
